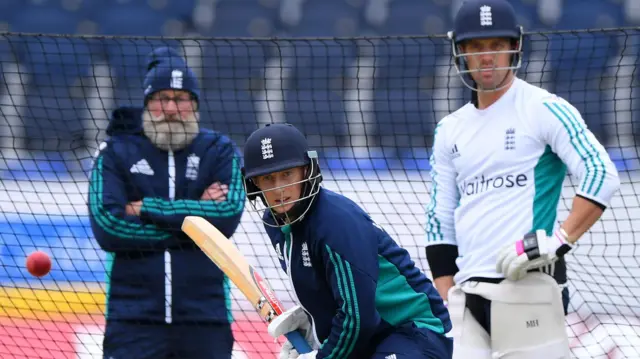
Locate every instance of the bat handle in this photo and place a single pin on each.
(298, 342)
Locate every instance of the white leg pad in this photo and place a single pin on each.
(470, 340)
(527, 318)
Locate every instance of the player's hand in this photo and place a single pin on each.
(133, 208)
(216, 192)
(535, 250)
(310, 355)
(289, 352)
(292, 319)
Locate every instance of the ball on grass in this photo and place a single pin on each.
(38, 263)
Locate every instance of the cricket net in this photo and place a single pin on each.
(368, 105)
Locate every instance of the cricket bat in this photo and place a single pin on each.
(229, 259)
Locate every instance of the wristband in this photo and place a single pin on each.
(529, 246)
(564, 234)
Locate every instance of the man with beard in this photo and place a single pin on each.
(165, 298)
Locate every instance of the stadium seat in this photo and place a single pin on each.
(8, 48)
(130, 19)
(232, 72)
(81, 9)
(229, 112)
(581, 55)
(527, 14)
(317, 113)
(415, 17)
(324, 18)
(321, 64)
(579, 62)
(402, 114)
(321, 74)
(182, 9)
(8, 9)
(55, 68)
(55, 61)
(232, 64)
(405, 74)
(45, 20)
(52, 119)
(242, 19)
(578, 14)
(47, 55)
(405, 62)
(582, 89)
(635, 106)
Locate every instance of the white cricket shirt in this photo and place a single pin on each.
(498, 173)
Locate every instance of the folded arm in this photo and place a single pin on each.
(113, 228)
(224, 215)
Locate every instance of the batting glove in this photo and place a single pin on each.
(292, 319)
(535, 250)
(289, 352)
(310, 355)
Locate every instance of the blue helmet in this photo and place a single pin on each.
(481, 19)
(275, 148)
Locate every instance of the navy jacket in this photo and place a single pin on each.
(352, 278)
(155, 272)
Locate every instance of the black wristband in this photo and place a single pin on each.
(530, 244)
(442, 259)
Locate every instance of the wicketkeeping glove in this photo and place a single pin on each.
(535, 250)
(292, 319)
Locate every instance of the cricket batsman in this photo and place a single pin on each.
(494, 246)
(165, 298)
(360, 295)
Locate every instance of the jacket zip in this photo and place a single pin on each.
(167, 255)
(287, 258)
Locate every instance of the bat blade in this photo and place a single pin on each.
(230, 260)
